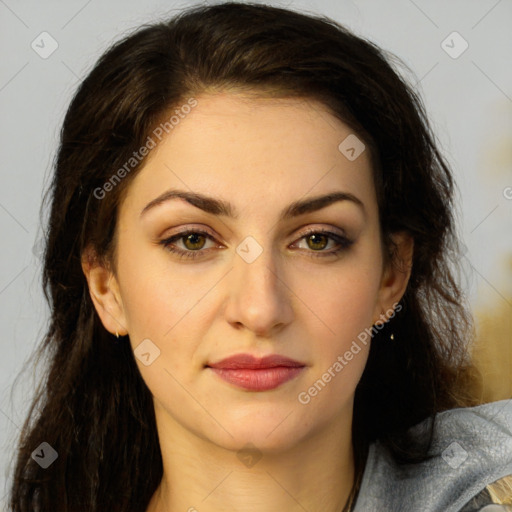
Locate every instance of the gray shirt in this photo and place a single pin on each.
(472, 448)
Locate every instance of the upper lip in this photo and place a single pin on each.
(248, 361)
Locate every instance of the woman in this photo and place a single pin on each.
(249, 266)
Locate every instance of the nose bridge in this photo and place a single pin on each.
(257, 265)
(256, 268)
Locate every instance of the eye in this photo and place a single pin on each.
(193, 241)
(318, 240)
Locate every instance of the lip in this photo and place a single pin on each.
(256, 374)
(250, 362)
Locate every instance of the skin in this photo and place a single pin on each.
(260, 155)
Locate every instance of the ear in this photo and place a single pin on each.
(104, 292)
(395, 276)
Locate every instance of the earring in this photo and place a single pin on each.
(392, 337)
(117, 334)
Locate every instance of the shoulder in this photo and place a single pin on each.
(471, 449)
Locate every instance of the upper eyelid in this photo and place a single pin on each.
(308, 230)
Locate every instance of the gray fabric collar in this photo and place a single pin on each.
(472, 449)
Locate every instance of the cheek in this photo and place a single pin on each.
(343, 298)
(156, 296)
(166, 305)
(347, 318)
(340, 346)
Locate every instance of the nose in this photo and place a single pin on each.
(259, 298)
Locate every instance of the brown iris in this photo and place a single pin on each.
(318, 239)
(193, 238)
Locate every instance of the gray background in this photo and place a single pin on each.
(469, 99)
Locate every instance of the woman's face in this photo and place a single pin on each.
(258, 282)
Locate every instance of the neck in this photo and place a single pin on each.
(316, 475)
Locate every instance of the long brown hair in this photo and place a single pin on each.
(93, 407)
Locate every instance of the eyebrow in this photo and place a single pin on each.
(219, 207)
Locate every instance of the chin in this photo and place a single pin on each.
(274, 433)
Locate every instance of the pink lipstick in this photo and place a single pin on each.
(256, 374)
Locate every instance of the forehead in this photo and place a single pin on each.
(255, 151)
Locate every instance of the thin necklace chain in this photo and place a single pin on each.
(349, 505)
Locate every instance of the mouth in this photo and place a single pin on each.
(256, 374)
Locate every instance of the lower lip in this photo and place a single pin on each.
(258, 380)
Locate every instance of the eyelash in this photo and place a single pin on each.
(343, 243)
